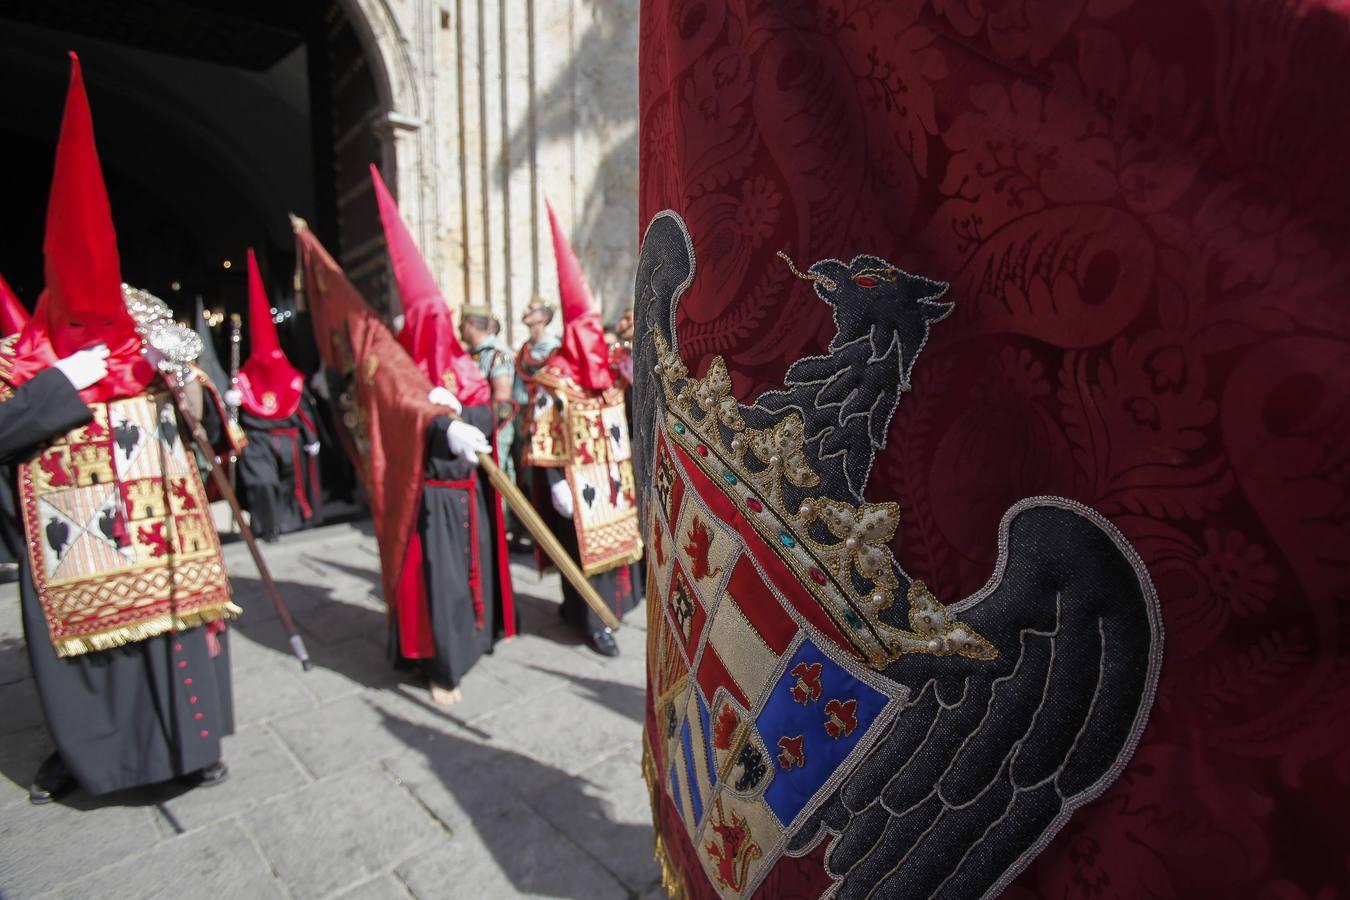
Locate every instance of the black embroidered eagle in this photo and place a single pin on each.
(846, 399)
(987, 758)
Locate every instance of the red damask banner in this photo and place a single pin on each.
(384, 409)
(1143, 215)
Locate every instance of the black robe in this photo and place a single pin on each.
(278, 481)
(457, 526)
(615, 587)
(147, 712)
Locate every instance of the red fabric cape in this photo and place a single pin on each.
(1145, 232)
(388, 447)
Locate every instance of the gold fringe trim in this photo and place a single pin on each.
(143, 630)
(623, 559)
(671, 880)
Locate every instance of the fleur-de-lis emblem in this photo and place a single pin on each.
(931, 621)
(779, 449)
(713, 395)
(864, 531)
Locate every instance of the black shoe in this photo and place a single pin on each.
(52, 781)
(602, 642)
(211, 775)
(9, 573)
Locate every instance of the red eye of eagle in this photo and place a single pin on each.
(870, 278)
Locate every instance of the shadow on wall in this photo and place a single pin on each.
(595, 95)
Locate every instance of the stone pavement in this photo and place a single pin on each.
(346, 782)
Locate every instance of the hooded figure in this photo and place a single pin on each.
(122, 585)
(278, 471)
(577, 430)
(454, 598)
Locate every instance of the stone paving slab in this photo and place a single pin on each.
(340, 831)
(44, 848)
(513, 854)
(262, 769)
(605, 810)
(21, 753)
(220, 861)
(385, 887)
(346, 781)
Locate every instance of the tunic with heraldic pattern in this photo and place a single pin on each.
(122, 585)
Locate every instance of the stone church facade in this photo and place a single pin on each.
(482, 109)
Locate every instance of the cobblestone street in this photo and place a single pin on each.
(346, 781)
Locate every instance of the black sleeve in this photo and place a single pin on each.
(43, 408)
(211, 421)
(308, 428)
(438, 443)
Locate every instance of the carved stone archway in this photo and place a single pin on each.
(399, 52)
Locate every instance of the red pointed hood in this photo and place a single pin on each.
(583, 355)
(270, 384)
(13, 316)
(428, 322)
(82, 303)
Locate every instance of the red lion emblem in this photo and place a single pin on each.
(154, 538)
(698, 548)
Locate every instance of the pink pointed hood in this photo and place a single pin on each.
(583, 356)
(428, 322)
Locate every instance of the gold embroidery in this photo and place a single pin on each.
(109, 563)
(92, 464)
(145, 499)
(839, 552)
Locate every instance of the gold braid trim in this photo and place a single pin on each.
(130, 634)
(671, 880)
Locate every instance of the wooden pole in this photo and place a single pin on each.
(530, 518)
(194, 427)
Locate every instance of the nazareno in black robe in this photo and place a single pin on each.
(278, 481)
(457, 527)
(615, 587)
(146, 712)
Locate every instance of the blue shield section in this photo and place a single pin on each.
(783, 716)
(692, 774)
(711, 759)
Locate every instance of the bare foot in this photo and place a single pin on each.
(444, 696)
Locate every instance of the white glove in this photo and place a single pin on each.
(442, 397)
(561, 494)
(466, 441)
(312, 449)
(85, 367)
(233, 397)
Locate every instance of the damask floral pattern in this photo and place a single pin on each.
(1144, 214)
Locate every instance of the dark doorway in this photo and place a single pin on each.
(214, 119)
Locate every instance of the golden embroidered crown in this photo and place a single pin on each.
(840, 552)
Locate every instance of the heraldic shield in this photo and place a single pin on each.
(816, 718)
